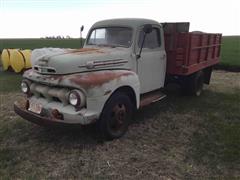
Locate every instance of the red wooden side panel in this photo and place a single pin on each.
(190, 52)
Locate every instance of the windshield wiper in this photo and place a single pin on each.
(107, 45)
(113, 45)
(91, 44)
(119, 45)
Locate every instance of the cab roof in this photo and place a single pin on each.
(124, 22)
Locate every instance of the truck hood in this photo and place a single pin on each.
(66, 61)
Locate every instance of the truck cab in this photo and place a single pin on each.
(121, 68)
(127, 35)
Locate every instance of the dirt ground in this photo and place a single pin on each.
(167, 140)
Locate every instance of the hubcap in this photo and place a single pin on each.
(118, 116)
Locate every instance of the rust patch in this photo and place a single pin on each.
(22, 103)
(28, 72)
(85, 80)
(94, 79)
(148, 100)
(151, 98)
(85, 51)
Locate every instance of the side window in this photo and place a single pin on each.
(152, 39)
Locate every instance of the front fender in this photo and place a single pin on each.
(98, 95)
(98, 85)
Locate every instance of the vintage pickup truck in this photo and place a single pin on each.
(123, 66)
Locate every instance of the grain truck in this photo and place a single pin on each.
(123, 66)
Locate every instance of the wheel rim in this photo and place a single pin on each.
(118, 118)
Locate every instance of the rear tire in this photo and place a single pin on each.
(197, 84)
(116, 116)
(193, 85)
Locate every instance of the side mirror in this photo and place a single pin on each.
(146, 29)
(82, 28)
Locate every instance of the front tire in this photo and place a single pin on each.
(115, 117)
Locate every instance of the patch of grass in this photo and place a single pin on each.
(10, 81)
(217, 145)
(217, 142)
(38, 43)
(216, 102)
(8, 158)
(230, 51)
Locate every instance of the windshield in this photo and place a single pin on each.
(111, 36)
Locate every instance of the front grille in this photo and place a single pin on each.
(56, 94)
(56, 99)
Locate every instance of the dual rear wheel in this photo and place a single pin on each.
(193, 84)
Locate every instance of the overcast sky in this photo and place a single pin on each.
(40, 18)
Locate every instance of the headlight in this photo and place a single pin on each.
(25, 87)
(76, 98)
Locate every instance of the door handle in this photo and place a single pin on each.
(135, 56)
(163, 56)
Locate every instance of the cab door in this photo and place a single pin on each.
(151, 66)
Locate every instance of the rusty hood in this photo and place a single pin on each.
(66, 61)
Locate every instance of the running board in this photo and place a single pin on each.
(150, 98)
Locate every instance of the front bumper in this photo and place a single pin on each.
(44, 120)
